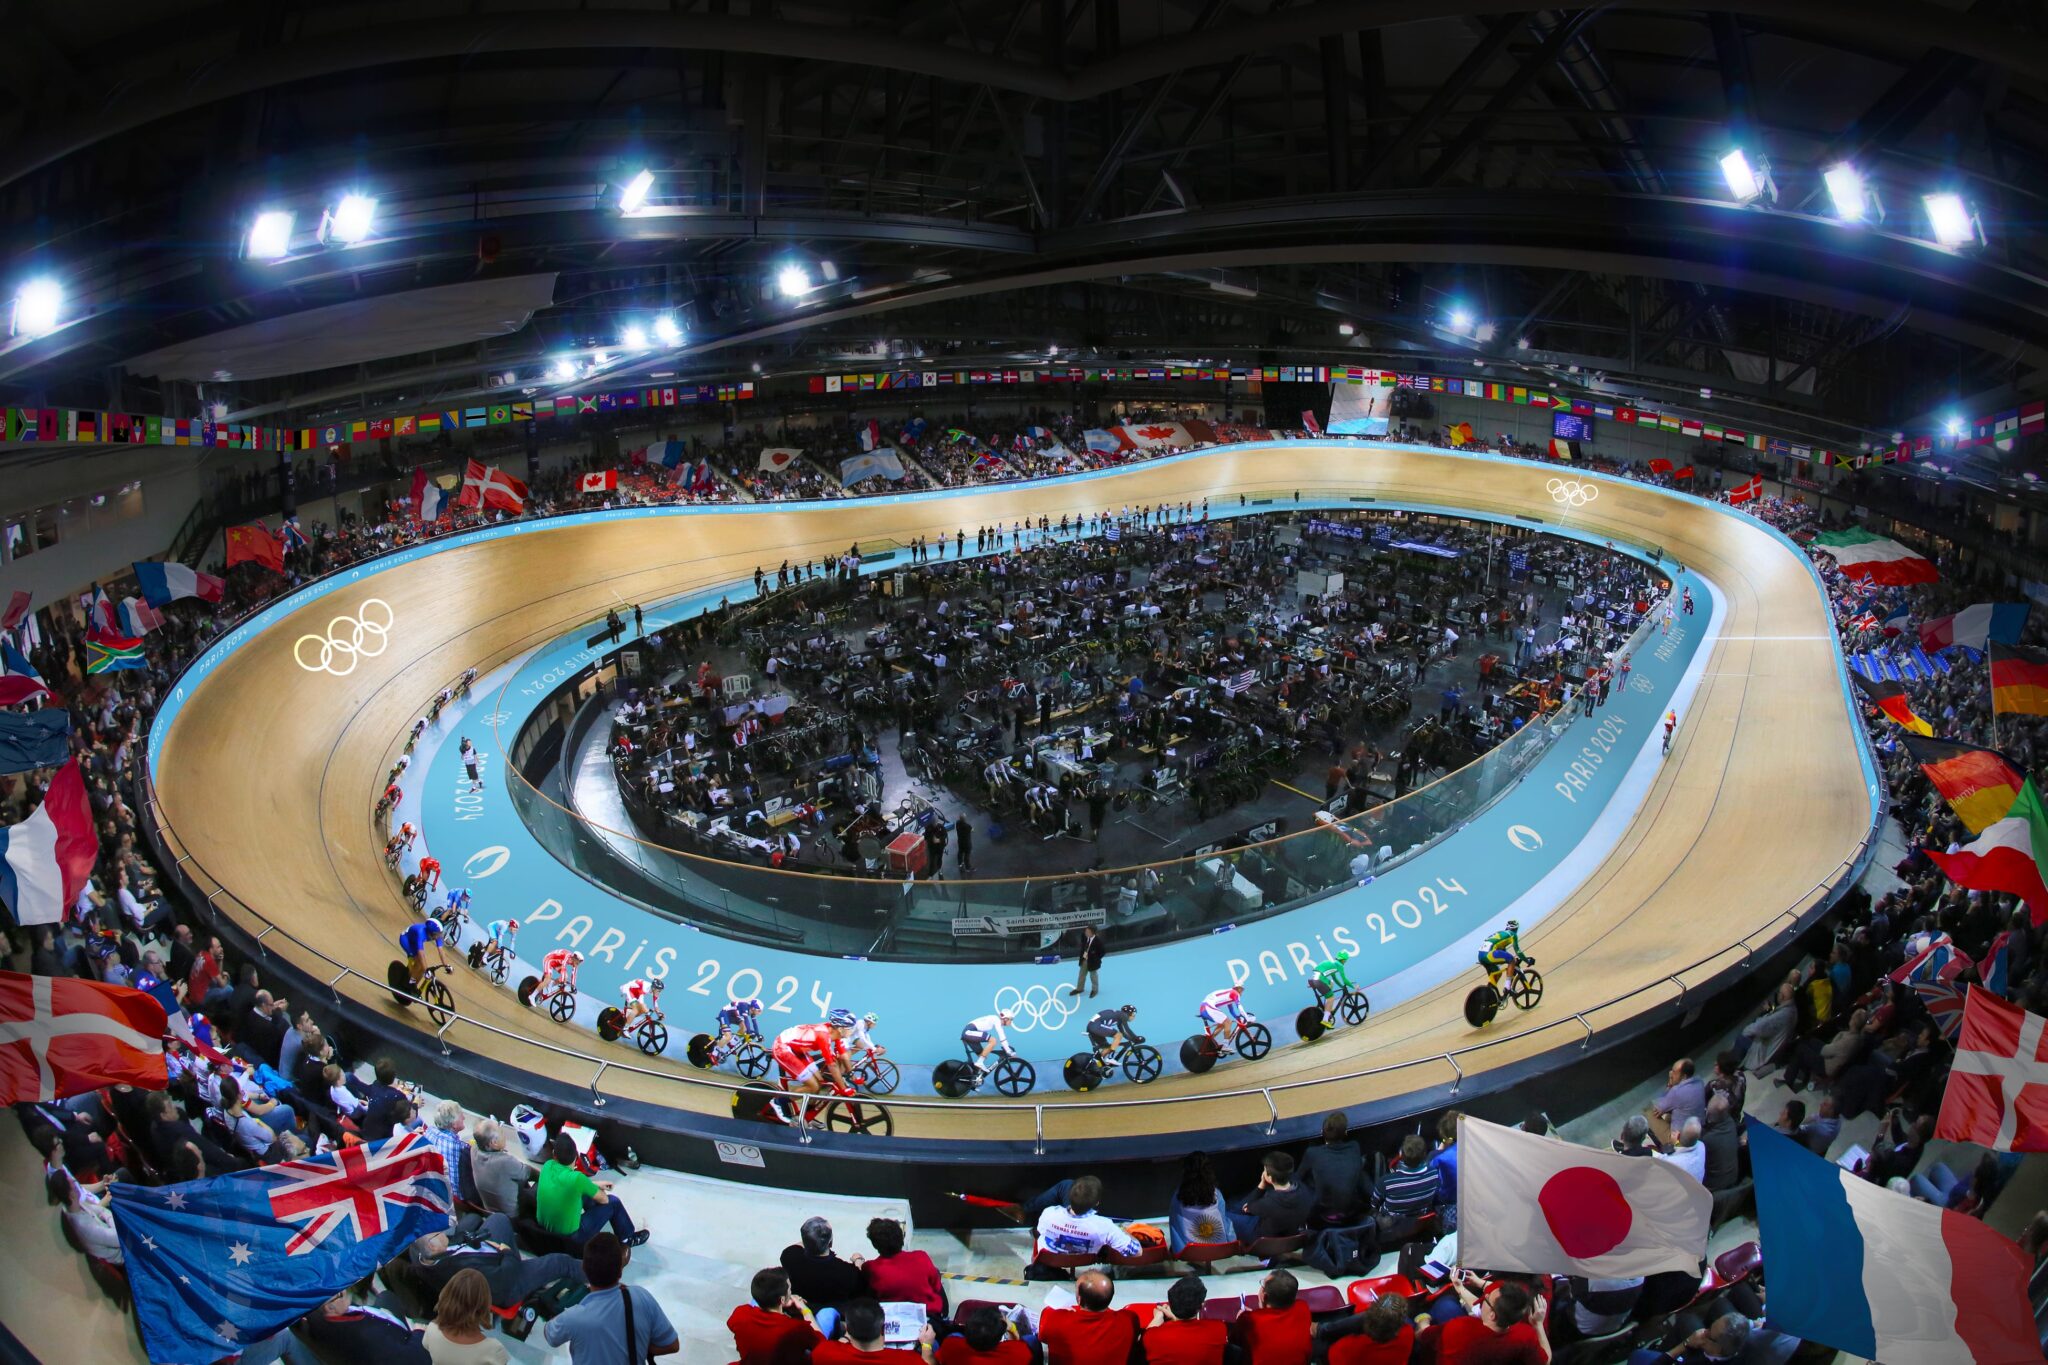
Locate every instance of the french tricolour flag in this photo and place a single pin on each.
(164, 583)
(1976, 626)
(1879, 1275)
(45, 860)
(870, 435)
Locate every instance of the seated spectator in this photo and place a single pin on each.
(898, 1276)
(444, 1134)
(1381, 1335)
(1334, 1171)
(1765, 1037)
(90, 1220)
(1635, 1137)
(1196, 1214)
(1725, 1339)
(1730, 1080)
(1502, 1324)
(1277, 1331)
(381, 1104)
(1178, 1333)
(1687, 1152)
(1721, 1137)
(1603, 1306)
(1820, 1131)
(1898, 1146)
(1815, 1060)
(776, 1328)
(570, 1204)
(596, 1329)
(1942, 1187)
(818, 1275)
(1278, 1207)
(1684, 1097)
(1091, 1332)
(462, 1315)
(349, 1327)
(1410, 1189)
(491, 1249)
(865, 1323)
(1446, 1158)
(1076, 1229)
(983, 1339)
(251, 1134)
(499, 1173)
(346, 1102)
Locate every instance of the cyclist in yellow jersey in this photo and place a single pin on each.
(1503, 950)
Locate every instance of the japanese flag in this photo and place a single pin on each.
(1544, 1206)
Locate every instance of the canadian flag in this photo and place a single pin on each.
(491, 487)
(598, 483)
(1544, 1206)
(1997, 1094)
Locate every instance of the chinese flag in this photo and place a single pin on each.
(254, 542)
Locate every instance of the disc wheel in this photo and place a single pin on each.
(1354, 1007)
(1080, 1072)
(699, 1050)
(752, 1060)
(1254, 1041)
(1527, 990)
(611, 1021)
(951, 1079)
(527, 986)
(1014, 1076)
(881, 1076)
(562, 1006)
(1310, 1024)
(1143, 1063)
(858, 1116)
(654, 1038)
(400, 980)
(1481, 1004)
(440, 1001)
(1198, 1054)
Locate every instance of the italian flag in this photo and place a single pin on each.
(2010, 856)
(1864, 554)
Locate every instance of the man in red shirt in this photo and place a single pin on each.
(1091, 1333)
(1277, 1331)
(1178, 1334)
(1507, 1329)
(865, 1322)
(983, 1339)
(1381, 1335)
(775, 1329)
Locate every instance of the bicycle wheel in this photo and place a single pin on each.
(752, 1060)
(1142, 1063)
(858, 1116)
(1310, 1024)
(952, 1079)
(451, 930)
(611, 1021)
(500, 966)
(1199, 1053)
(1527, 990)
(1014, 1076)
(883, 1076)
(1254, 1041)
(1355, 1007)
(562, 1005)
(1080, 1072)
(527, 986)
(400, 980)
(440, 1002)
(699, 1050)
(1482, 1003)
(654, 1038)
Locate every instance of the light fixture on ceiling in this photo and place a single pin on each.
(1747, 180)
(1522, 343)
(633, 194)
(1461, 321)
(563, 368)
(1853, 199)
(1483, 332)
(793, 281)
(667, 330)
(599, 359)
(349, 221)
(270, 236)
(634, 337)
(38, 304)
(1951, 221)
(1345, 329)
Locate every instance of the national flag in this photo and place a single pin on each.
(99, 608)
(1545, 1206)
(598, 483)
(1878, 1275)
(1995, 971)
(1976, 626)
(405, 426)
(109, 652)
(1867, 555)
(1997, 1093)
(1896, 622)
(775, 459)
(501, 413)
(1661, 466)
(1689, 428)
(1944, 1002)
(671, 453)
(1745, 492)
(475, 417)
(63, 1036)
(870, 435)
(16, 688)
(163, 583)
(46, 859)
(2008, 856)
(1933, 957)
(2019, 680)
(1561, 449)
(429, 500)
(1891, 698)
(34, 739)
(1979, 785)
(294, 536)
(137, 617)
(17, 609)
(1309, 423)
(489, 486)
(13, 663)
(254, 544)
(219, 1263)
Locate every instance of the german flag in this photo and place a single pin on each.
(1979, 785)
(1891, 698)
(2019, 681)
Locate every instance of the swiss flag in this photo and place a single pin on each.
(1544, 1206)
(1997, 1094)
(63, 1036)
(598, 483)
(491, 487)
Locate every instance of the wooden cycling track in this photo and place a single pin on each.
(268, 774)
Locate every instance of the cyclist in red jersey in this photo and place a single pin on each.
(558, 968)
(430, 869)
(806, 1050)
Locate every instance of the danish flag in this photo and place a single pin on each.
(1997, 1094)
(350, 1188)
(491, 487)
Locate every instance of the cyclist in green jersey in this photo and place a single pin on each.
(1331, 982)
(1503, 950)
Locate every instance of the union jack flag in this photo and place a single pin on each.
(1944, 1000)
(351, 1187)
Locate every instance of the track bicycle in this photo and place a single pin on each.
(649, 1032)
(1318, 1019)
(1141, 1063)
(559, 998)
(743, 1048)
(1013, 1076)
(1518, 982)
(1250, 1038)
(432, 992)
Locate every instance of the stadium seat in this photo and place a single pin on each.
(1198, 1256)
(1149, 1254)
(1278, 1248)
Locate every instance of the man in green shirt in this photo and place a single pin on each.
(570, 1204)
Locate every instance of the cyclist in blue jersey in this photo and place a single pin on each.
(413, 943)
(499, 934)
(739, 1017)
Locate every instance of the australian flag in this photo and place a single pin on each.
(1383, 534)
(218, 1264)
(1518, 562)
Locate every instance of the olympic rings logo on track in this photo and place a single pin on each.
(348, 639)
(1572, 493)
(1028, 1011)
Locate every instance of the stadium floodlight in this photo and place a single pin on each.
(1522, 343)
(1345, 329)
(757, 367)
(1848, 193)
(349, 221)
(1747, 181)
(668, 330)
(793, 280)
(564, 368)
(1461, 321)
(219, 412)
(37, 306)
(1956, 427)
(1953, 224)
(1483, 332)
(270, 236)
(599, 359)
(633, 194)
(634, 338)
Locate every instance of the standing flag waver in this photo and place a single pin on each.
(2010, 856)
(163, 583)
(1867, 555)
(1997, 1094)
(1891, 698)
(46, 859)
(61, 1036)
(220, 1263)
(1881, 1276)
(1978, 627)
(1979, 785)
(1545, 1206)
(2019, 681)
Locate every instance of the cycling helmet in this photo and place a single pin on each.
(575, 956)
(871, 1019)
(1005, 1016)
(511, 924)
(1343, 955)
(1128, 1011)
(841, 1019)
(1513, 925)
(656, 985)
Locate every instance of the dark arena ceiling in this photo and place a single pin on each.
(1407, 182)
